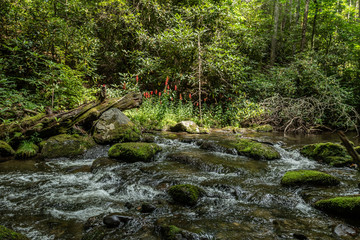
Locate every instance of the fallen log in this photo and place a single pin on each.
(52, 124)
(350, 149)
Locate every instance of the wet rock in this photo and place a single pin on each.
(344, 230)
(65, 145)
(147, 208)
(129, 205)
(346, 206)
(102, 162)
(186, 126)
(26, 150)
(330, 153)
(79, 169)
(6, 150)
(264, 128)
(218, 147)
(186, 194)
(172, 232)
(133, 152)
(147, 138)
(115, 220)
(308, 177)
(114, 126)
(256, 150)
(8, 234)
(96, 233)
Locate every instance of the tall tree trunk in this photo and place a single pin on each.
(304, 25)
(275, 31)
(314, 24)
(297, 19)
(359, 10)
(199, 59)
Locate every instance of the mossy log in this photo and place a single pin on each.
(83, 116)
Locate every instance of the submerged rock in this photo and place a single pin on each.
(147, 208)
(256, 150)
(101, 163)
(172, 232)
(114, 126)
(308, 177)
(219, 147)
(6, 150)
(344, 230)
(186, 126)
(65, 145)
(346, 206)
(27, 150)
(8, 234)
(330, 153)
(115, 220)
(133, 152)
(186, 194)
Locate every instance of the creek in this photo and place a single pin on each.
(53, 198)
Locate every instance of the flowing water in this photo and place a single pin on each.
(53, 198)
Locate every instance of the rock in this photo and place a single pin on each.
(96, 233)
(344, 230)
(219, 147)
(256, 150)
(65, 145)
(111, 221)
(6, 150)
(308, 177)
(172, 232)
(133, 152)
(346, 206)
(147, 208)
(264, 128)
(101, 163)
(8, 234)
(114, 126)
(300, 236)
(186, 126)
(186, 194)
(27, 150)
(330, 153)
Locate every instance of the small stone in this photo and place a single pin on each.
(147, 208)
(129, 205)
(111, 221)
(300, 236)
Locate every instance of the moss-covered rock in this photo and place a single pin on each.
(264, 128)
(256, 150)
(308, 177)
(347, 206)
(186, 126)
(331, 153)
(185, 194)
(114, 126)
(8, 234)
(170, 232)
(6, 150)
(65, 145)
(133, 152)
(26, 150)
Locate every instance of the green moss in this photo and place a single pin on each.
(8, 234)
(348, 206)
(121, 133)
(170, 232)
(330, 153)
(27, 150)
(308, 177)
(65, 145)
(264, 128)
(6, 150)
(256, 150)
(185, 194)
(133, 152)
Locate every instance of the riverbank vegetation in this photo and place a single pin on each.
(291, 63)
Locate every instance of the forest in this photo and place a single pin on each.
(294, 64)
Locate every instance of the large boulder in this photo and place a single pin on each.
(134, 152)
(6, 150)
(256, 150)
(65, 145)
(113, 126)
(186, 126)
(185, 194)
(308, 177)
(8, 234)
(330, 153)
(27, 150)
(346, 206)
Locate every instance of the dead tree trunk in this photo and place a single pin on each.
(83, 116)
(354, 155)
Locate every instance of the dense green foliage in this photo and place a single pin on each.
(249, 55)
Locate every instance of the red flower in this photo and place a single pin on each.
(190, 95)
(144, 94)
(167, 80)
(124, 87)
(175, 88)
(172, 99)
(156, 92)
(205, 99)
(159, 94)
(168, 87)
(137, 79)
(197, 104)
(180, 97)
(104, 85)
(151, 92)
